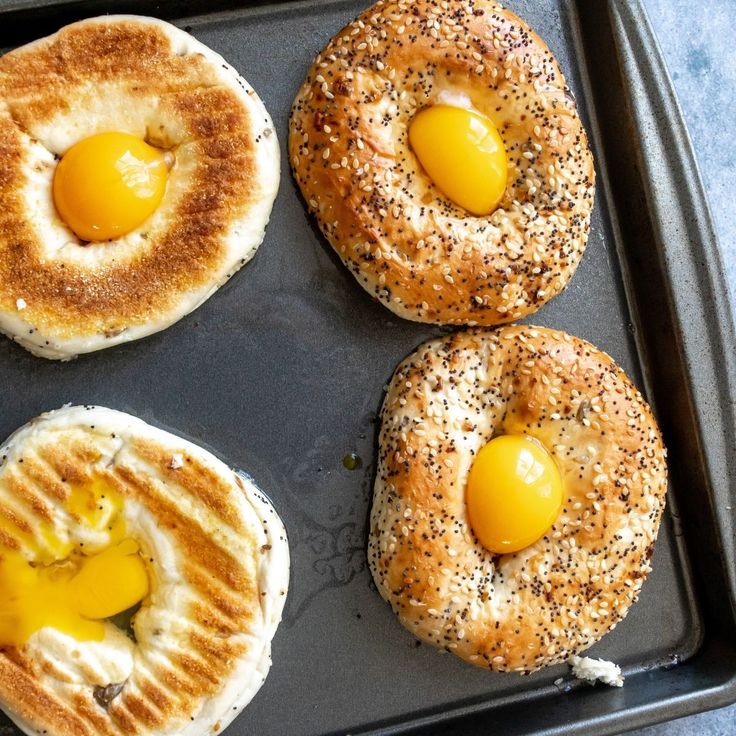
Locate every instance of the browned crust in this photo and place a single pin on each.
(217, 575)
(19, 686)
(538, 606)
(225, 591)
(201, 482)
(422, 256)
(48, 77)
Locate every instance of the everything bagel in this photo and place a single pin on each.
(421, 255)
(535, 607)
(60, 295)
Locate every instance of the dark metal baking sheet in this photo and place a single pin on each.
(281, 373)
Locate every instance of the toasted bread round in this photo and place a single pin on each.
(555, 598)
(422, 256)
(60, 296)
(217, 561)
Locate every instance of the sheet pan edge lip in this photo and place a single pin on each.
(679, 705)
(690, 171)
(714, 292)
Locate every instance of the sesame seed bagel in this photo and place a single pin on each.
(216, 558)
(60, 296)
(536, 607)
(422, 256)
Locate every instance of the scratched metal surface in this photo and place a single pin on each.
(281, 373)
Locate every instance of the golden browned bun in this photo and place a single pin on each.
(422, 256)
(59, 296)
(216, 558)
(535, 607)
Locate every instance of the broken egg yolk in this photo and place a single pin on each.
(463, 154)
(514, 493)
(109, 184)
(73, 593)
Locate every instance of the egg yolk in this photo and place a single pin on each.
(463, 154)
(74, 593)
(514, 493)
(108, 184)
(109, 582)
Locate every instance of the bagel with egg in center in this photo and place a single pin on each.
(442, 154)
(520, 484)
(102, 514)
(139, 171)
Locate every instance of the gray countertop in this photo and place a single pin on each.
(697, 40)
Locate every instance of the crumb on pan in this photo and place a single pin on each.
(596, 670)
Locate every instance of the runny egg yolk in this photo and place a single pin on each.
(514, 493)
(109, 184)
(463, 154)
(74, 593)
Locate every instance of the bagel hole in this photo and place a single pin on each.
(124, 621)
(105, 694)
(158, 137)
